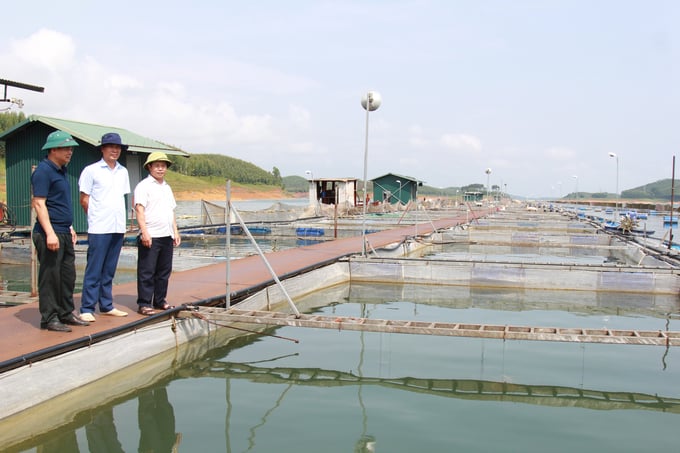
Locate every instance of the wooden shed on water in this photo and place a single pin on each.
(23, 145)
(342, 191)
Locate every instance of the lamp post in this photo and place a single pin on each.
(370, 102)
(399, 196)
(616, 214)
(576, 188)
(488, 186)
(311, 179)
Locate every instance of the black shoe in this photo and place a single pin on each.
(74, 321)
(57, 326)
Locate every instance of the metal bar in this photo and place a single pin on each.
(501, 332)
(264, 259)
(24, 86)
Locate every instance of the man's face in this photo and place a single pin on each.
(111, 153)
(157, 169)
(62, 156)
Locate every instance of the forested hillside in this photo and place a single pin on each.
(660, 190)
(225, 167)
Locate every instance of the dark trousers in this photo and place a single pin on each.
(56, 278)
(154, 265)
(102, 259)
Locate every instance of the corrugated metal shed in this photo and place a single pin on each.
(23, 145)
(394, 188)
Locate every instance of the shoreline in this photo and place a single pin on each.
(237, 194)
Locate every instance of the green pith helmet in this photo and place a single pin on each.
(157, 156)
(59, 139)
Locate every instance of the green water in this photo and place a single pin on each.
(342, 391)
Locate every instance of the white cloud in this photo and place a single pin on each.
(560, 153)
(168, 109)
(299, 116)
(461, 142)
(416, 137)
(45, 49)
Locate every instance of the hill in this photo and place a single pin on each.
(188, 188)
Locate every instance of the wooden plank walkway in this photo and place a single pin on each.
(20, 332)
(498, 332)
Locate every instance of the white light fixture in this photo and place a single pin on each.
(616, 215)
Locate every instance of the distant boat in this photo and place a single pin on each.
(667, 219)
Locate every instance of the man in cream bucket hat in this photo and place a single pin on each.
(155, 210)
(157, 156)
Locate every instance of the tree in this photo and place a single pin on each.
(277, 177)
(7, 121)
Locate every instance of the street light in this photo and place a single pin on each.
(370, 102)
(311, 177)
(488, 186)
(576, 189)
(399, 197)
(616, 215)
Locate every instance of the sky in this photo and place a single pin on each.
(538, 91)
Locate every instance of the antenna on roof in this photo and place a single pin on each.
(16, 101)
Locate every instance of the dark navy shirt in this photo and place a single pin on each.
(50, 182)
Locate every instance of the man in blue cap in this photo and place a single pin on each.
(103, 186)
(53, 235)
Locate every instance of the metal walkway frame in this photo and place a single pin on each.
(499, 332)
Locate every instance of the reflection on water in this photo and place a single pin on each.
(341, 391)
(156, 421)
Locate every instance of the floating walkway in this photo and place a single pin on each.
(498, 332)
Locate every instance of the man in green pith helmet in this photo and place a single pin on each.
(53, 235)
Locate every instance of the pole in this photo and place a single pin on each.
(616, 202)
(369, 99)
(670, 236)
(372, 102)
(227, 243)
(34, 252)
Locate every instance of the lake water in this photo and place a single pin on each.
(340, 391)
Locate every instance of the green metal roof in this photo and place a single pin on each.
(407, 178)
(92, 133)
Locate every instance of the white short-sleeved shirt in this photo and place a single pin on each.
(159, 206)
(107, 188)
